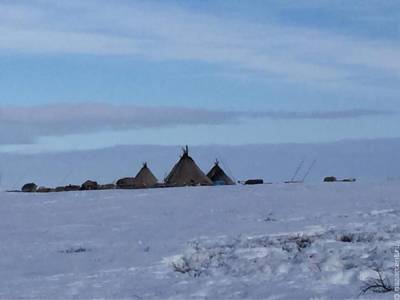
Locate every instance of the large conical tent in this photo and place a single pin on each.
(218, 176)
(186, 173)
(145, 178)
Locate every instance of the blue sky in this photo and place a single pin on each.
(87, 74)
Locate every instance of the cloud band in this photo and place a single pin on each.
(24, 124)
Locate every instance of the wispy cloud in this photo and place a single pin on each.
(161, 32)
(23, 125)
(321, 115)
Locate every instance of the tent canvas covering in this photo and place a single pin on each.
(186, 173)
(218, 176)
(145, 178)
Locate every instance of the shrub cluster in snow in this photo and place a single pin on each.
(333, 257)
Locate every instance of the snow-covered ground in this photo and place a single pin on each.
(295, 241)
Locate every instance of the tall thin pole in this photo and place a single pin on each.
(297, 170)
(309, 170)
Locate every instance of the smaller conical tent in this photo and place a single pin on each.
(186, 173)
(218, 176)
(145, 178)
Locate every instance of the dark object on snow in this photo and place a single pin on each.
(109, 186)
(145, 178)
(161, 185)
(346, 238)
(59, 189)
(330, 179)
(349, 180)
(126, 183)
(254, 181)
(334, 179)
(186, 173)
(43, 189)
(218, 176)
(293, 181)
(29, 188)
(89, 185)
(75, 250)
(71, 187)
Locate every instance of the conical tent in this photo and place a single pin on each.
(145, 178)
(186, 173)
(218, 176)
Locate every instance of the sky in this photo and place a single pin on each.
(91, 74)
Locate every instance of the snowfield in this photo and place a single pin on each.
(293, 241)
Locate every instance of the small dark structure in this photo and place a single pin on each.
(59, 189)
(218, 176)
(89, 185)
(330, 179)
(334, 179)
(293, 181)
(72, 187)
(43, 189)
(145, 178)
(109, 186)
(186, 173)
(349, 180)
(254, 181)
(29, 188)
(126, 183)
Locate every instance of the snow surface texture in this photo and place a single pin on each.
(247, 242)
(366, 160)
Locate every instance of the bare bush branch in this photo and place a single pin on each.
(377, 285)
